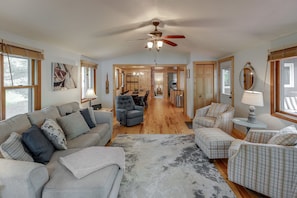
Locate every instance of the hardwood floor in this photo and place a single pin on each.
(161, 117)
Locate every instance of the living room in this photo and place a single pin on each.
(256, 52)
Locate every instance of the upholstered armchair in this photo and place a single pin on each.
(264, 165)
(215, 115)
(127, 113)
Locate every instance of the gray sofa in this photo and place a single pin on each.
(30, 179)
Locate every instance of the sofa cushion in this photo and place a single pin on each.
(68, 108)
(54, 133)
(84, 140)
(73, 125)
(38, 117)
(92, 114)
(216, 109)
(205, 121)
(13, 148)
(18, 123)
(286, 137)
(40, 147)
(86, 114)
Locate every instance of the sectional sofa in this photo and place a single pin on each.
(43, 175)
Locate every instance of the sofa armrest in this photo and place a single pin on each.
(260, 135)
(266, 168)
(22, 179)
(103, 117)
(137, 107)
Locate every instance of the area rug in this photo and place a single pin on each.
(189, 124)
(169, 166)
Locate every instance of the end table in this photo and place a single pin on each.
(248, 125)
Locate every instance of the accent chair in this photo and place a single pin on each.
(215, 115)
(127, 113)
(266, 162)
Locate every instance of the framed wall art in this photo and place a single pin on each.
(64, 76)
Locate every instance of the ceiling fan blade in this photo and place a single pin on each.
(174, 36)
(169, 42)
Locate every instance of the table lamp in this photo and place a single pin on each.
(252, 98)
(90, 94)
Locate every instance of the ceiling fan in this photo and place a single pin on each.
(156, 39)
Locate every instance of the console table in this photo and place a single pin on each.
(248, 125)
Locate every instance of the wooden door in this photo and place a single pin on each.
(203, 84)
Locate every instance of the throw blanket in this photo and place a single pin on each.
(91, 159)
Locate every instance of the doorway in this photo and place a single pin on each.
(226, 80)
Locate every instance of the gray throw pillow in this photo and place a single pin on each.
(13, 148)
(73, 125)
(54, 133)
(39, 146)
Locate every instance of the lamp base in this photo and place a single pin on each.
(252, 115)
(90, 103)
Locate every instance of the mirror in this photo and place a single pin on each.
(247, 77)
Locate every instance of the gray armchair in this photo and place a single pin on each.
(127, 113)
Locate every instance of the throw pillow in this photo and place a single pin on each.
(86, 114)
(286, 137)
(13, 148)
(54, 133)
(40, 147)
(73, 125)
(216, 109)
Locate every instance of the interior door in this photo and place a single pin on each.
(203, 84)
(226, 79)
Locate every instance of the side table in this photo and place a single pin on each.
(248, 125)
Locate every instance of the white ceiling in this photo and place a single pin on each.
(104, 29)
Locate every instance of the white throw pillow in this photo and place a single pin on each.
(286, 137)
(13, 148)
(216, 109)
(73, 125)
(54, 133)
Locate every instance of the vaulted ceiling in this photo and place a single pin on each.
(104, 29)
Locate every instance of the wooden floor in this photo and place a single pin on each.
(161, 117)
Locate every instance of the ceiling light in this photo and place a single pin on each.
(159, 44)
(150, 44)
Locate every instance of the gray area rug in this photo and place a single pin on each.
(169, 166)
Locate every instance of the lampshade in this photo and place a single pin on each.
(253, 98)
(150, 44)
(159, 44)
(90, 94)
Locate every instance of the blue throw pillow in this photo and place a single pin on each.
(40, 147)
(86, 114)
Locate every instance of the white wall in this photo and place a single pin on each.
(258, 58)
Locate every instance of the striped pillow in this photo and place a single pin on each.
(216, 109)
(13, 148)
(286, 137)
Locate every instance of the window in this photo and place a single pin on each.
(20, 73)
(226, 72)
(88, 78)
(283, 65)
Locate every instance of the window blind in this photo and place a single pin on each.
(85, 63)
(20, 51)
(283, 53)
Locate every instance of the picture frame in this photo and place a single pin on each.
(64, 76)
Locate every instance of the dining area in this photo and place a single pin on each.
(140, 97)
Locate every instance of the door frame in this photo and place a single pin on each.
(230, 58)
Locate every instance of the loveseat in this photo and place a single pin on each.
(29, 179)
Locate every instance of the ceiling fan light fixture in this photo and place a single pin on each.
(150, 44)
(159, 44)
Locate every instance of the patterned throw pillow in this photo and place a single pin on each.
(13, 148)
(286, 137)
(216, 109)
(54, 133)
